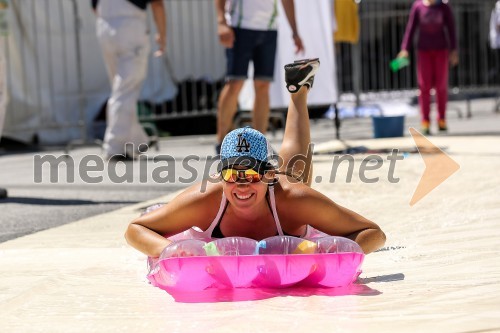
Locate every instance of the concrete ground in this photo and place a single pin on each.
(64, 265)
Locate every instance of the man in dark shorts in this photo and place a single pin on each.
(248, 31)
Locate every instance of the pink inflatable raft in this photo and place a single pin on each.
(195, 264)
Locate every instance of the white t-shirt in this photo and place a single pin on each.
(252, 14)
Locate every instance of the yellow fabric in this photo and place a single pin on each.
(346, 13)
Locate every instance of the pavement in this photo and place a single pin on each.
(65, 267)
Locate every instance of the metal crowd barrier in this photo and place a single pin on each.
(362, 69)
(194, 61)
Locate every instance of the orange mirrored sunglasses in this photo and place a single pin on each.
(233, 175)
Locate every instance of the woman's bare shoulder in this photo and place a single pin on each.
(195, 206)
(291, 189)
(298, 202)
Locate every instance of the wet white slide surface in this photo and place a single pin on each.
(439, 271)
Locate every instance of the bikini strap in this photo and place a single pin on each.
(217, 218)
(272, 200)
(222, 208)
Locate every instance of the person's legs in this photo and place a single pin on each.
(296, 149)
(441, 70)
(297, 138)
(238, 57)
(260, 119)
(122, 121)
(227, 107)
(108, 48)
(424, 77)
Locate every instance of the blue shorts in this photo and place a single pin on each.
(256, 45)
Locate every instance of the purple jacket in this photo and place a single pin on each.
(436, 27)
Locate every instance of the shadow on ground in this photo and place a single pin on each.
(60, 202)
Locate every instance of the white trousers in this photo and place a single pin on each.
(125, 46)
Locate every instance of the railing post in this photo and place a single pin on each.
(356, 71)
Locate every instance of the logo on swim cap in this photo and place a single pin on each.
(292, 88)
(243, 145)
(247, 147)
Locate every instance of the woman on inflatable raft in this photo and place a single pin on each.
(255, 198)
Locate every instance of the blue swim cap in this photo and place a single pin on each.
(246, 147)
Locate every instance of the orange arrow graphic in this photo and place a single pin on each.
(438, 166)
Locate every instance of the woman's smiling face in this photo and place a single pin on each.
(246, 194)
